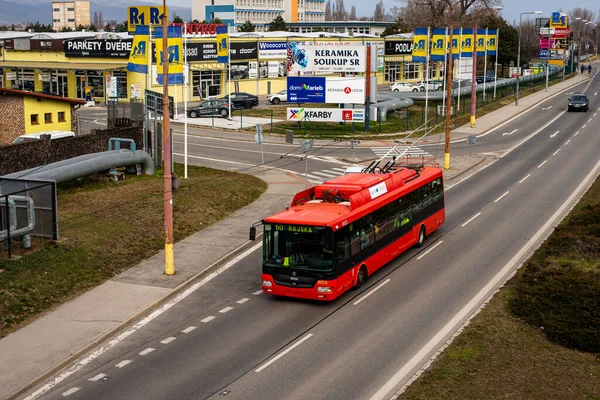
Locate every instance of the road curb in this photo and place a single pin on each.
(103, 338)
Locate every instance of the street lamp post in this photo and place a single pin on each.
(519, 53)
(474, 72)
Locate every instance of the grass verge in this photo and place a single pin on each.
(106, 228)
(499, 355)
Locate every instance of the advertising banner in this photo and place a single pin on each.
(558, 20)
(456, 43)
(420, 44)
(101, 48)
(243, 50)
(554, 54)
(492, 42)
(201, 52)
(135, 91)
(145, 15)
(222, 44)
(326, 114)
(306, 89)
(553, 43)
(481, 37)
(112, 86)
(560, 33)
(321, 59)
(138, 58)
(398, 47)
(272, 50)
(439, 46)
(345, 90)
(466, 48)
(174, 55)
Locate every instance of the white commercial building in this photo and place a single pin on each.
(259, 12)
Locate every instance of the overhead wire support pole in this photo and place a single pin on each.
(167, 173)
(448, 97)
(186, 73)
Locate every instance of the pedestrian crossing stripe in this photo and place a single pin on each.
(405, 150)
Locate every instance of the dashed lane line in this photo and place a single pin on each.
(70, 391)
(429, 250)
(470, 219)
(567, 142)
(123, 363)
(555, 153)
(168, 340)
(146, 351)
(505, 193)
(371, 292)
(527, 176)
(226, 309)
(540, 166)
(257, 292)
(97, 377)
(207, 319)
(277, 357)
(242, 301)
(188, 329)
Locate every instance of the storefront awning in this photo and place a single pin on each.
(61, 65)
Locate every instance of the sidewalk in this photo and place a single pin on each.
(62, 336)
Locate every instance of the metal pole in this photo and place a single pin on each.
(564, 58)
(496, 60)
(368, 91)
(459, 70)
(485, 63)
(167, 173)
(548, 57)
(228, 75)
(449, 97)
(474, 76)
(427, 86)
(186, 72)
(519, 60)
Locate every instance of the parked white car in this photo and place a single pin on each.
(404, 87)
(278, 97)
(432, 85)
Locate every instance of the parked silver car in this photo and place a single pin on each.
(278, 97)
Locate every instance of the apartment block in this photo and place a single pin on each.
(70, 14)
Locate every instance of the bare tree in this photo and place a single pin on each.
(529, 40)
(434, 13)
(379, 13)
(339, 11)
(583, 30)
(328, 12)
(352, 15)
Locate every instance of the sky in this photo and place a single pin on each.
(512, 8)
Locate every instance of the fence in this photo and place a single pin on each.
(27, 208)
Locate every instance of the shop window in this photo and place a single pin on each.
(61, 116)
(48, 118)
(34, 119)
(411, 71)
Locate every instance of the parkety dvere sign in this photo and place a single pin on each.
(110, 48)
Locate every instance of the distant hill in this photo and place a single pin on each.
(32, 11)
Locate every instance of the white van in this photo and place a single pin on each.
(36, 136)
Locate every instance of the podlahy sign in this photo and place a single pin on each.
(398, 47)
(272, 50)
(326, 114)
(325, 59)
(326, 90)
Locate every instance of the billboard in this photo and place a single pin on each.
(398, 47)
(101, 48)
(145, 15)
(555, 32)
(320, 59)
(554, 54)
(272, 50)
(326, 114)
(326, 90)
(558, 20)
(553, 43)
(306, 89)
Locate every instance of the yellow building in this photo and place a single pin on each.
(27, 113)
(70, 14)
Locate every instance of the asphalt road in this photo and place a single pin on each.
(367, 344)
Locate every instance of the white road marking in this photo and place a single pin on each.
(277, 357)
(429, 250)
(567, 142)
(475, 304)
(505, 193)
(576, 133)
(554, 134)
(594, 114)
(257, 292)
(546, 108)
(540, 166)
(595, 93)
(528, 175)
(96, 378)
(242, 301)
(146, 351)
(188, 329)
(371, 292)
(123, 363)
(70, 391)
(555, 153)
(584, 125)
(589, 120)
(226, 309)
(509, 133)
(208, 319)
(471, 219)
(168, 340)
(86, 360)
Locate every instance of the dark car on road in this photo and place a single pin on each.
(579, 102)
(209, 108)
(242, 100)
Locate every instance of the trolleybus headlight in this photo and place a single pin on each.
(324, 289)
(267, 283)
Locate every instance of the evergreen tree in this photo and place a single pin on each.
(278, 24)
(247, 27)
(397, 27)
(177, 19)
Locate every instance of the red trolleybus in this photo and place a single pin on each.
(334, 235)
